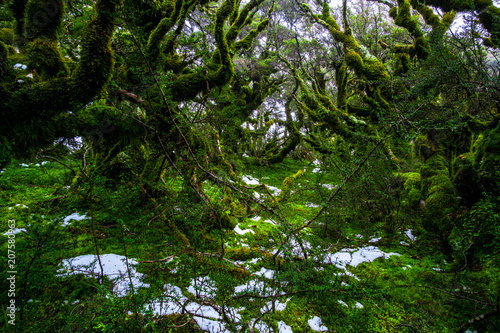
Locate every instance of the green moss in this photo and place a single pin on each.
(43, 19)
(490, 19)
(354, 60)
(341, 79)
(287, 185)
(96, 58)
(487, 161)
(465, 179)
(435, 164)
(293, 140)
(3, 53)
(405, 20)
(246, 43)
(157, 35)
(440, 195)
(241, 20)
(401, 64)
(44, 56)
(7, 36)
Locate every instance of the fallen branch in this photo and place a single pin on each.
(164, 259)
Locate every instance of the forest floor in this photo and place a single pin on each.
(336, 275)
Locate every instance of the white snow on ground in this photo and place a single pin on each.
(19, 66)
(260, 326)
(242, 232)
(202, 287)
(74, 216)
(316, 170)
(276, 191)
(256, 195)
(14, 231)
(267, 273)
(359, 305)
(410, 235)
(204, 323)
(404, 243)
(250, 180)
(317, 325)
(171, 302)
(255, 218)
(342, 302)
(17, 205)
(278, 306)
(374, 239)
(310, 204)
(284, 328)
(355, 257)
(346, 272)
(329, 186)
(113, 266)
(270, 221)
(255, 287)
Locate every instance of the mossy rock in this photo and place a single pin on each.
(412, 187)
(465, 179)
(487, 162)
(441, 199)
(7, 36)
(440, 195)
(437, 164)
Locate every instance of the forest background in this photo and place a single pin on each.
(251, 159)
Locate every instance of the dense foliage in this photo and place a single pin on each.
(208, 140)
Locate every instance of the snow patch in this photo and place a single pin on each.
(354, 257)
(74, 216)
(14, 231)
(113, 266)
(410, 235)
(276, 191)
(374, 239)
(239, 231)
(284, 328)
(278, 306)
(250, 180)
(20, 66)
(267, 273)
(317, 325)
